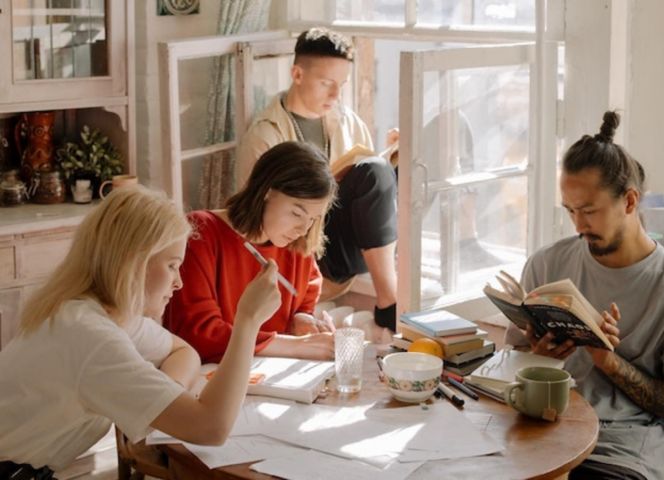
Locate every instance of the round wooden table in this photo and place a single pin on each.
(533, 448)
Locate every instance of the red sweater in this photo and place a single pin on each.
(216, 269)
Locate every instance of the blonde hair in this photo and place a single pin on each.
(108, 257)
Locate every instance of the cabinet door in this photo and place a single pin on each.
(69, 50)
(10, 306)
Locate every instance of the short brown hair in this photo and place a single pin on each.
(321, 42)
(619, 171)
(294, 169)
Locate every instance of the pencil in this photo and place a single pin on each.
(460, 386)
(261, 259)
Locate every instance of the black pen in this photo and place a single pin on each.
(460, 386)
(450, 395)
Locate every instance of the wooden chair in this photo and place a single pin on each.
(135, 460)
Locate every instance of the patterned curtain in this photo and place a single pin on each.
(217, 177)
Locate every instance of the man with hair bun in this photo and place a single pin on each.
(361, 227)
(620, 270)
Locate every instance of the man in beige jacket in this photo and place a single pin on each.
(361, 228)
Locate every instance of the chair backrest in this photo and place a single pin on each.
(139, 457)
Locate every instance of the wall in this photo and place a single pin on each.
(615, 59)
(645, 139)
(150, 30)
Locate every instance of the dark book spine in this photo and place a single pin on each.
(563, 324)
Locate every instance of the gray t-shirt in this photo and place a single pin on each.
(313, 131)
(629, 436)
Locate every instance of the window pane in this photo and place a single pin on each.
(492, 13)
(59, 38)
(379, 11)
(475, 120)
(196, 101)
(468, 234)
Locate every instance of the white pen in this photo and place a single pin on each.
(261, 259)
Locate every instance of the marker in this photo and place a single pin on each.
(450, 395)
(261, 259)
(460, 386)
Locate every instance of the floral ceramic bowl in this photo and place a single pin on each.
(410, 376)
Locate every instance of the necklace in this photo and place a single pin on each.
(300, 135)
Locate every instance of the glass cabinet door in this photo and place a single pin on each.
(59, 39)
(57, 50)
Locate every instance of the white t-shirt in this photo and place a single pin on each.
(63, 385)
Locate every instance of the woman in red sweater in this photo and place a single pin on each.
(280, 210)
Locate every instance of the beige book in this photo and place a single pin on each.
(357, 152)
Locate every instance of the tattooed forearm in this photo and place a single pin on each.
(641, 388)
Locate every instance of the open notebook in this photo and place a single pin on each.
(287, 378)
(492, 377)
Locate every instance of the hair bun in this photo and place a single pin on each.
(610, 123)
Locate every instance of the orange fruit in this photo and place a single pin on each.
(426, 345)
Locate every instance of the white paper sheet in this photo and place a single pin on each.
(442, 432)
(243, 449)
(310, 465)
(380, 436)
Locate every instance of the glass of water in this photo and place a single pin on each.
(349, 354)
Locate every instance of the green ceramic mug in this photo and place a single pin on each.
(539, 392)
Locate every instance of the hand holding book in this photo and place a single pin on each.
(558, 308)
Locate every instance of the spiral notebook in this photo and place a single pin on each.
(492, 377)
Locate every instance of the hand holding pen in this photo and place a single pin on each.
(261, 259)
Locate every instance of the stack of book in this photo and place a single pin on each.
(465, 347)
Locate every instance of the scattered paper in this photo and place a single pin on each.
(311, 464)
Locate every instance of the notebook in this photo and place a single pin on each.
(287, 378)
(492, 377)
(290, 378)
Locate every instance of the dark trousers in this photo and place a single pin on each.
(364, 217)
(592, 470)
(13, 471)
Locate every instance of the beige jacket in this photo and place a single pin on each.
(273, 126)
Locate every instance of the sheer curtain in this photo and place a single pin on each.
(217, 178)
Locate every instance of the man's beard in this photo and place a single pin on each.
(598, 251)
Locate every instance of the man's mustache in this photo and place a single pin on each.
(589, 236)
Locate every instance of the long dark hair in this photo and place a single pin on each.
(294, 169)
(619, 171)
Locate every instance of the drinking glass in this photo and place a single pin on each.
(349, 353)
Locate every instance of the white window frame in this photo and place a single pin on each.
(170, 54)
(544, 219)
(546, 37)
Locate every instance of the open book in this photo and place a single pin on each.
(287, 378)
(556, 307)
(357, 152)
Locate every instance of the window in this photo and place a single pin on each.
(476, 104)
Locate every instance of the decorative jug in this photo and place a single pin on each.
(34, 139)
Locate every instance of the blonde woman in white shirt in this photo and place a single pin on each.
(89, 353)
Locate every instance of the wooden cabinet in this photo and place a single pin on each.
(26, 260)
(75, 58)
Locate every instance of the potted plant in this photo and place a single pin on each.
(93, 158)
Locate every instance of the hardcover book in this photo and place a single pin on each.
(556, 307)
(439, 323)
(451, 345)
